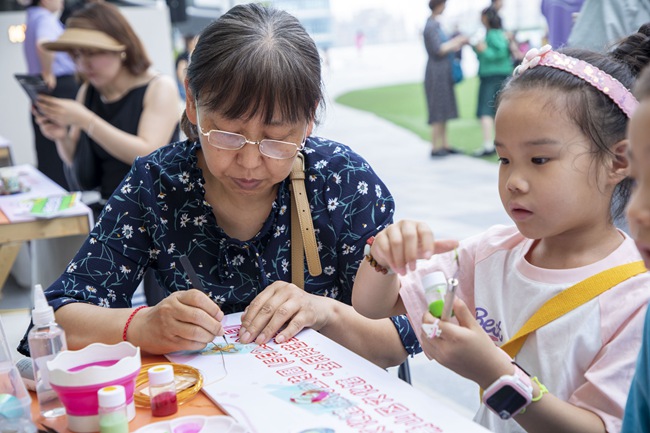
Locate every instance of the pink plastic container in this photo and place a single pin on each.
(77, 375)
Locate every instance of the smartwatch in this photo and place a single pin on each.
(510, 394)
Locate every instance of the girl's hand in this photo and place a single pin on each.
(64, 112)
(466, 348)
(185, 320)
(282, 306)
(401, 244)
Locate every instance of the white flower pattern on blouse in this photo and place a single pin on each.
(159, 213)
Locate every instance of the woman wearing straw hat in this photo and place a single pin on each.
(122, 111)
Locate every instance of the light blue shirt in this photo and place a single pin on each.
(44, 25)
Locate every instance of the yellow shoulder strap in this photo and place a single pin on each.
(571, 298)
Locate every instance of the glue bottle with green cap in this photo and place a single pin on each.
(435, 288)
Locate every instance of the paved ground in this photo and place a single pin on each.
(456, 195)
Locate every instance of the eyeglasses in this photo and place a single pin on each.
(78, 54)
(275, 149)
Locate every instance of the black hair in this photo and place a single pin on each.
(435, 3)
(255, 60)
(598, 117)
(642, 85)
(492, 17)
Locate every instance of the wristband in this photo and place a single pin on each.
(128, 321)
(371, 259)
(542, 389)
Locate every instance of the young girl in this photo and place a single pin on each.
(560, 136)
(637, 411)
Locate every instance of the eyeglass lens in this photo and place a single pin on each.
(271, 148)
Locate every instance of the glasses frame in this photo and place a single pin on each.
(260, 143)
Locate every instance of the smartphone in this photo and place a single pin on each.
(33, 85)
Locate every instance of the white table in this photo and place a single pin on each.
(16, 228)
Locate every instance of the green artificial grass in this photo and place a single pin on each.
(405, 106)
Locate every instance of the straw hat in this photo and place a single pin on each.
(74, 38)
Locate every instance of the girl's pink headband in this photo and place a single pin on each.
(602, 81)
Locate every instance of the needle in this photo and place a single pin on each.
(194, 278)
(451, 291)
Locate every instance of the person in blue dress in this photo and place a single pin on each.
(223, 199)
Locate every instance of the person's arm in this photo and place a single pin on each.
(282, 310)
(396, 247)
(376, 295)
(466, 349)
(46, 58)
(496, 46)
(159, 118)
(376, 340)
(160, 115)
(186, 320)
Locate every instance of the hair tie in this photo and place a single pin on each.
(599, 79)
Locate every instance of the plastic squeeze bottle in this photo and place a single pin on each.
(112, 410)
(162, 390)
(435, 288)
(45, 340)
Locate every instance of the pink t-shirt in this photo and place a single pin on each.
(586, 357)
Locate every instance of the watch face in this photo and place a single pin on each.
(506, 402)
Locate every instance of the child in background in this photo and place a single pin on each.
(494, 68)
(561, 139)
(637, 411)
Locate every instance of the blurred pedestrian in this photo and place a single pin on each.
(602, 23)
(182, 60)
(559, 16)
(438, 80)
(56, 69)
(494, 67)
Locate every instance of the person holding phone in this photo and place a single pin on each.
(57, 71)
(124, 109)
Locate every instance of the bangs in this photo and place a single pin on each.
(255, 88)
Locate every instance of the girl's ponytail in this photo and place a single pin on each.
(634, 50)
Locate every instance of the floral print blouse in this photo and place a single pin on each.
(159, 213)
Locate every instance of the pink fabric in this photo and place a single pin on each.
(586, 357)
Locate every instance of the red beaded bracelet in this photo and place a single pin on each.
(128, 321)
(371, 259)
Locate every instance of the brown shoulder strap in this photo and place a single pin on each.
(303, 237)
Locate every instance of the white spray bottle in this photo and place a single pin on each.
(45, 339)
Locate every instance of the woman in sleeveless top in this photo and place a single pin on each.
(122, 111)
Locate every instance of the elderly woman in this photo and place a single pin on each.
(222, 199)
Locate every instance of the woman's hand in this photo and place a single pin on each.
(283, 306)
(465, 347)
(49, 129)
(64, 112)
(401, 244)
(185, 320)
